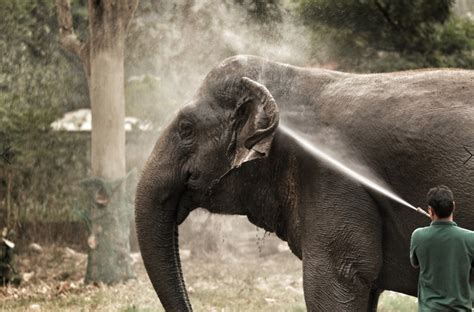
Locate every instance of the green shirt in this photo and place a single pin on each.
(444, 253)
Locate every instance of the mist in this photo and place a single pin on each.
(179, 43)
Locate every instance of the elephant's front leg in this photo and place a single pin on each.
(342, 252)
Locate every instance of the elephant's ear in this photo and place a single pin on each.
(254, 122)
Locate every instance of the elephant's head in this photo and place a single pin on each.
(231, 120)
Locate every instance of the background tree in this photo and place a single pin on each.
(383, 35)
(102, 56)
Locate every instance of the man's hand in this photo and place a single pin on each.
(420, 210)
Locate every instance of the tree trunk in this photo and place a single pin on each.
(108, 257)
(103, 59)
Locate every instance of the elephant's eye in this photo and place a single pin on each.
(186, 130)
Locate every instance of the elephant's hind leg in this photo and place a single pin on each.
(331, 288)
(342, 250)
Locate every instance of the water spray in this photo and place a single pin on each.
(346, 170)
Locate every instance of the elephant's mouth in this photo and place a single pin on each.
(185, 206)
(183, 213)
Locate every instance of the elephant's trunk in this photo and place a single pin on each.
(157, 230)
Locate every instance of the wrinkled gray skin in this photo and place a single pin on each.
(225, 152)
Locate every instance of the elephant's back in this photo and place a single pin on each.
(408, 100)
(397, 97)
(431, 110)
(387, 109)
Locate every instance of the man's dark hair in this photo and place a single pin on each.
(440, 199)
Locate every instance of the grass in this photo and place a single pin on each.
(391, 301)
(222, 283)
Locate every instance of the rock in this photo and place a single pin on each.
(35, 306)
(36, 247)
(184, 254)
(71, 253)
(136, 257)
(63, 287)
(9, 243)
(283, 247)
(63, 276)
(92, 241)
(27, 276)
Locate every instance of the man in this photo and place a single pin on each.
(444, 253)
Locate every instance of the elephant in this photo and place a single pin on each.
(225, 151)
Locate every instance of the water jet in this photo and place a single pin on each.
(318, 153)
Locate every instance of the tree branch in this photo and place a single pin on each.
(386, 15)
(131, 6)
(67, 37)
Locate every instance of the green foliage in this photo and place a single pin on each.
(35, 70)
(37, 84)
(46, 170)
(382, 35)
(453, 44)
(263, 11)
(387, 25)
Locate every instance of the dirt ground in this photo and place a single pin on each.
(264, 281)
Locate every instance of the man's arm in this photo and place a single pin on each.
(413, 258)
